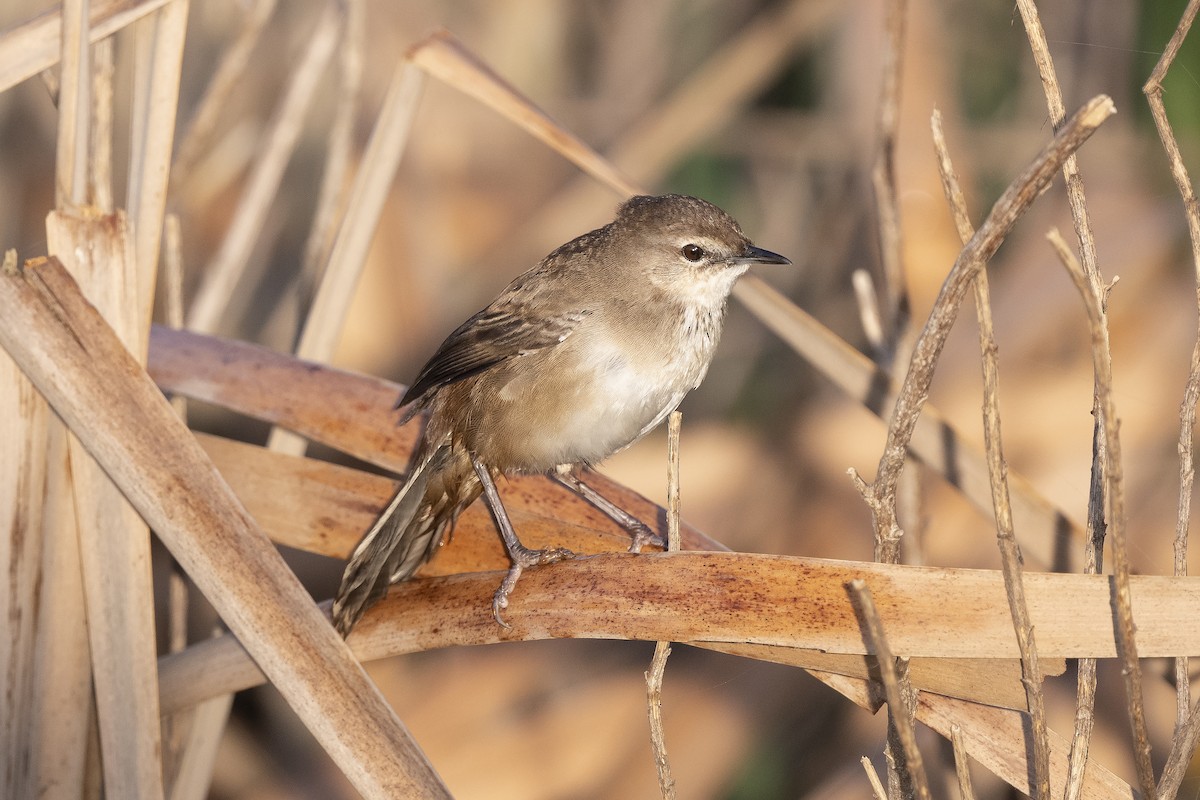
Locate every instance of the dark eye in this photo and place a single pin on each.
(692, 252)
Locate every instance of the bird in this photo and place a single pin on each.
(576, 359)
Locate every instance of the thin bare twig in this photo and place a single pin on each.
(674, 424)
(1021, 193)
(1191, 394)
(1106, 473)
(1094, 301)
(1010, 553)
(662, 649)
(901, 716)
(654, 681)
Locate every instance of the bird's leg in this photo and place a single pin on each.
(520, 555)
(638, 531)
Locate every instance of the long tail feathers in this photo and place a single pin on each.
(392, 550)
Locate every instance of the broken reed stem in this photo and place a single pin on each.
(1010, 553)
(674, 425)
(658, 665)
(877, 790)
(881, 495)
(1187, 411)
(901, 717)
(1095, 300)
(962, 766)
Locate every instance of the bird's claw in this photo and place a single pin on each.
(640, 535)
(520, 560)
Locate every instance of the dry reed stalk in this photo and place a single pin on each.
(1107, 489)
(1095, 299)
(158, 58)
(36, 45)
(228, 267)
(114, 541)
(881, 494)
(198, 133)
(906, 768)
(1172, 776)
(895, 352)
(444, 57)
(24, 418)
(74, 106)
(63, 724)
(351, 242)
(100, 180)
(1010, 553)
(997, 738)
(198, 753)
(364, 207)
(962, 766)
(78, 365)
(177, 595)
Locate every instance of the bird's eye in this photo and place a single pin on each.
(692, 252)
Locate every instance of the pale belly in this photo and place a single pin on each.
(554, 415)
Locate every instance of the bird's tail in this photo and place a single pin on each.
(402, 539)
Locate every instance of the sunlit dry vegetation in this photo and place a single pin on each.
(305, 198)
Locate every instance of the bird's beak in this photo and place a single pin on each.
(756, 255)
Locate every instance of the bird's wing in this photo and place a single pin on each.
(490, 337)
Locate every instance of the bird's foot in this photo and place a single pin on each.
(523, 557)
(640, 535)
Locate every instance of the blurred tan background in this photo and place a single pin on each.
(766, 440)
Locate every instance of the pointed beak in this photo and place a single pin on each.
(756, 255)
